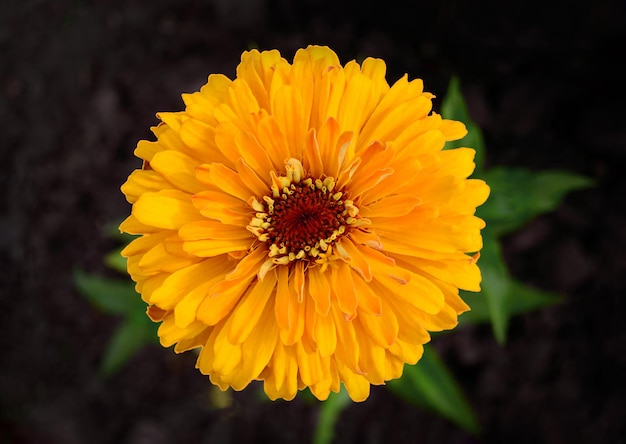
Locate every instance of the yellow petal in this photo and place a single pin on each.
(216, 247)
(243, 145)
(375, 69)
(248, 176)
(388, 127)
(290, 114)
(310, 365)
(281, 305)
(407, 352)
(223, 296)
(256, 69)
(143, 244)
(282, 381)
(333, 144)
(248, 266)
(400, 92)
(297, 280)
(329, 89)
(192, 342)
(457, 269)
(273, 141)
(399, 182)
(382, 329)
(417, 128)
(185, 310)
(444, 320)
(170, 333)
(410, 330)
(229, 181)
(474, 194)
(241, 100)
(371, 359)
(173, 120)
(177, 168)
(158, 259)
(200, 105)
(199, 138)
(249, 310)
(319, 290)
(188, 309)
(420, 229)
(325, 335)
(224, 135)
(143, 181)
(303, 76)
(312, 156)
(222, 207)
(257, 350)
(356, 260)
(366, 238)
(391, 206)
(149, 285)
(207, 238)
(418, 291)
(347, 348)
(204, 363)
(146, 149)
(453, 300)
(226, 355)
(458, 162)
(211, 229)
(357, 386)
(291, 313)
(453, 130)
(372, 170)
(183, 281)
(343, 289)
(167, 209)
(358, 102)
(310, 316)
(315, 52)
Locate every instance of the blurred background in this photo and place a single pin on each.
(80, 83)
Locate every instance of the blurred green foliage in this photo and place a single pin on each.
(118, 298)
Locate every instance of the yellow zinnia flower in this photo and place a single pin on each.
(302, 225)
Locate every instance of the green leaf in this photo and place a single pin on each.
(520, 299)
(112, 231)
(430, 385)
(115, 261)
(111, 296)
(454, 107)
(495, 285)
(501, 296)
(518, 195)
(306, 396)
(328, 415)
(133, 333)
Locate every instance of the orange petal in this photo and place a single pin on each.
(177, 168)
(168, 209)
(247, 313)
(319, 290)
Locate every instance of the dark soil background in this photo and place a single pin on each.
(80, 82)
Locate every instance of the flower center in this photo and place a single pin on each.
(302, 217)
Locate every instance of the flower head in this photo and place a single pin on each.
(302, 224)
